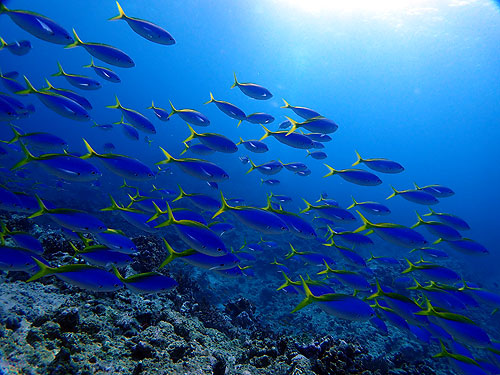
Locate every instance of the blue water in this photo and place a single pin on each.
(418, 85)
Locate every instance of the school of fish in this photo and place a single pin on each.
(437, 301)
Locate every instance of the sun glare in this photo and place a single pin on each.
(327, 7)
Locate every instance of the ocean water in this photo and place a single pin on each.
(413, 82)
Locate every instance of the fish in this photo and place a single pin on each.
(319, 124)
(81, 82)
(268, 168)
(213, 185)
(461, 328)
(373, 208)
(258, 118)
(318, 137)
(18, 48)
(41, 140)
(22, 240)
(256, 218)
(270, 182)
(415, 196)
(146, 29)
(350, 278)
(244, 159)
(147, 282)
(104, 52)
(201, 260)
(69, 94)
(435, 253)
(202, 169)
(116, 240)
(294, 140)
(433, 272)
(254, 145)
(121, 165)
(449, 219)
(202, 201)
(305, 113)
(294, 166)
(12, 85)
(17, 259)
(394, 233)
(465, 246)
(438, 229)
(104, 72)
(190, 116)
(460, 363)
(354, 239)
(318, 155)
(285, 124)
(438, 191)
(340, 305)
(380, 165)
(227, 108)
(199, 149)
(135, 217)
(129, 131)
(197, 235)
(81, 275)
(296, 224)
(108, 146)
(252, 90)
(75, 220)
(309, 257)
(138, 120)
(355, 176)
(65, 166)
(62, 105)
(221, 228)
(104, 127)
(281, 198)
(102, 256)
(38, 25)
(330, 212)
(161, 113)
(214, 141)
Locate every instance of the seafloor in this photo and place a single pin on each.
(207, 325)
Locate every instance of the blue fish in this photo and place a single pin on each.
(69, 94)
(116, 240)
(380, 165)
(198, 168)
(81, 82)
(37, 25)
(17, 259)
(191, 116)
(319, 124)
(268, 168)
(214, 141)
(229, 109)
(305, 113)
(252, 90)
(18, 48)
(466, 246)
(355, 176)
(60, 104)
(104, 52)
(439, 229)
(433, 272)
(161, 113)
(103, 72)
(148, 282)
(202, 201)
(270, 182)
(449, 219)
(340, 305)
(258, 118)
(256, 218)
(373, 208)
(102, 256)
(75, 220)
(253, 145)
(318, 155)
(135, 118)
(294, 140)
(146, 29)
(415, 196)
(81, 275)
(438, 191)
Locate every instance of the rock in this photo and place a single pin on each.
(142, 350)
(68, 320)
